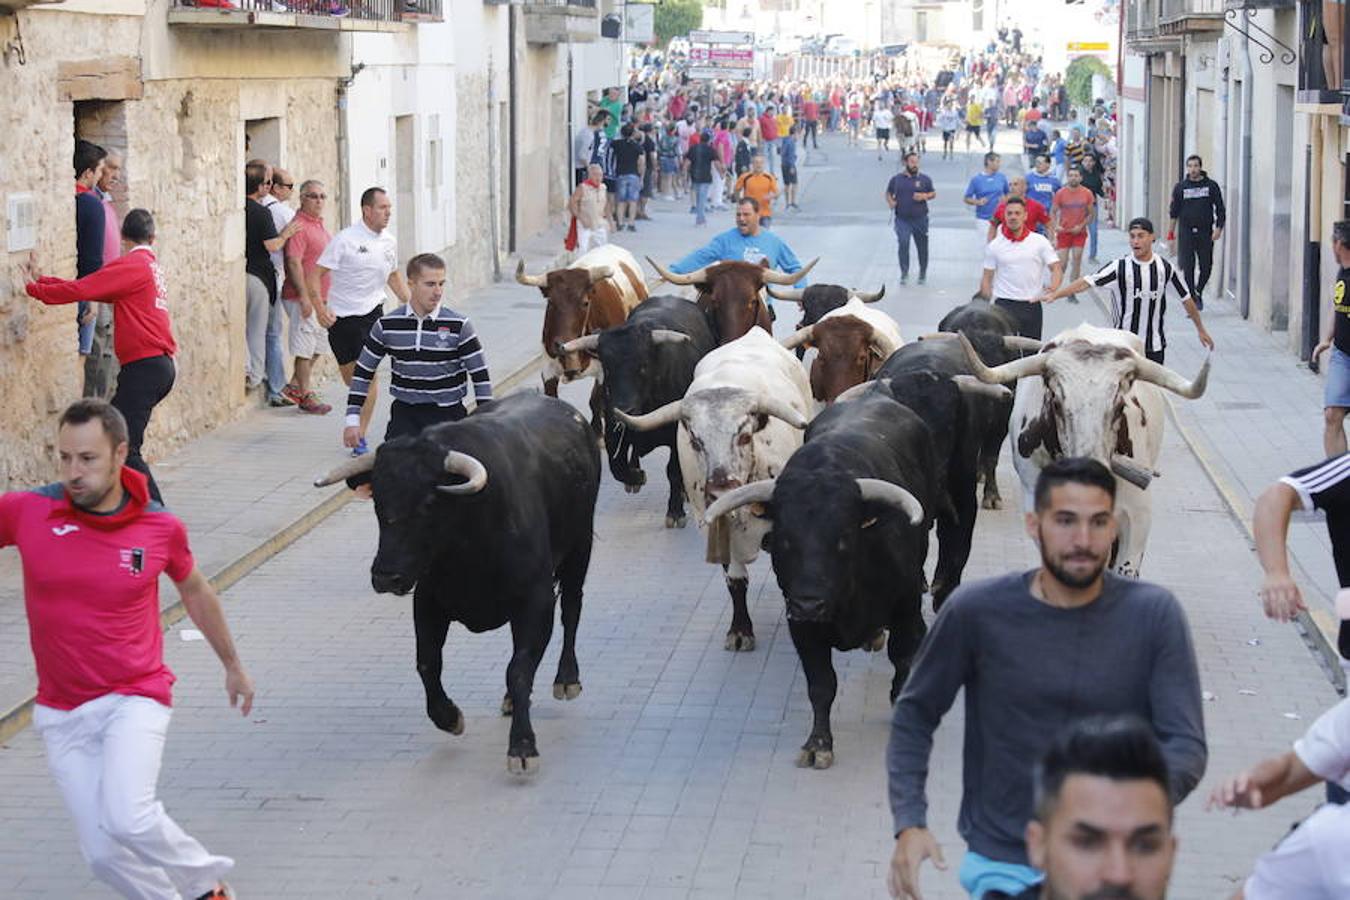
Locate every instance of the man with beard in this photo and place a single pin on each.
(1036, 651)
(1102, 829)
(907, 195)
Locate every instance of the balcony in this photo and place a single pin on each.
(1190, 16)
(561, 21)
(332, 15)
(1322, 83)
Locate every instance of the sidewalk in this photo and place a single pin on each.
(245, 490)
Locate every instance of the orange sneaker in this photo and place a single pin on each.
(221, 891)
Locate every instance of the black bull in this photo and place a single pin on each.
(648, 362)
(491, 557)
(848, 551)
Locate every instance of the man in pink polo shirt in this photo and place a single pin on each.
(93, 546)
(301, 292)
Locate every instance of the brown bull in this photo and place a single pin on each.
(729, 292)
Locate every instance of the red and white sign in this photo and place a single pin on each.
(732, 57)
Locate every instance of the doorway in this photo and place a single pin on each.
(104, 122)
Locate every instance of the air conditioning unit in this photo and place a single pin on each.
(611, 26)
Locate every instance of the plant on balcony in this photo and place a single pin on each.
(1078, 79)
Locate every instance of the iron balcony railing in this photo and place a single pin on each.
(356, 10)
(1170, 10)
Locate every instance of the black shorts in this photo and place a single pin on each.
(973, 129)
(883, 134)
(349, 334)
(409, 419)
(789, 173)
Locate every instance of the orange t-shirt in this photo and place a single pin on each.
(761, 186)
(1073, 204)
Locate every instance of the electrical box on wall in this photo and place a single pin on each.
(21, 213)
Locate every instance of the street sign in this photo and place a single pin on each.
(640, 23)
(736, 57)
(1089, 46)
(699, 73)
(721, 37)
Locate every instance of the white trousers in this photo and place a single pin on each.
(257, 309)
(590, 238)
(105, 757)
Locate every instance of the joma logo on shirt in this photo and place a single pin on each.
(63, 530)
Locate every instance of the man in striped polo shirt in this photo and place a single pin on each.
(1139, 285)
(433, 354)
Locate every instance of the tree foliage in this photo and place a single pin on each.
(1078, 79)
(676, 18)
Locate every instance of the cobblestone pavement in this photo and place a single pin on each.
(672, 775)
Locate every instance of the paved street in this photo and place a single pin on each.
(672, 775)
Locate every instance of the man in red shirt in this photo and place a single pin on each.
(1074, 208)
(1038, 217)
(302, 292)
(811, 116)
(93, 547)
(142, 336)
(768, 135)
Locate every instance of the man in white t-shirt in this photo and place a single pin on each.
(882, 120)
(1015, 265)
(363, 260)
(1311, 862)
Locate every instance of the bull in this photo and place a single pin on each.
(729, 293)
(818, 299)
(648, 362)
(481, 519)
(981, 316)
(850, 534)
(595, 292)
(1096, 395)
(738, 423)
(851, 343)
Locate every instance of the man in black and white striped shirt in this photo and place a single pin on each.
(433, 353)
(1139, 285)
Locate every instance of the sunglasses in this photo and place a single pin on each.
(283, 184)
(315, 196)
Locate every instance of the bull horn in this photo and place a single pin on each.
(780, 409)
(799, 337)
(352, 467)
(969, 384)
(669, 336)
(938, 336)
(870, 296)
(657, 418)
(754, 492)
(464, 465)
(1154, 373)
(1131, 471)
(773, 276)
(599, 273)
(587, 343)
(793, 295)
(878, 491)
(1008, 372)
(529, 280)
(695, 277)
(1026, 344)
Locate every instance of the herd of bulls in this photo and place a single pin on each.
(487, 519)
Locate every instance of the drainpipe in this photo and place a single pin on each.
(494, 171)
(344, 147)
(1221, 158)
(1245, 177)
(512, 90)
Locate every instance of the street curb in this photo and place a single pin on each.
(19, 716)
(1317, 628)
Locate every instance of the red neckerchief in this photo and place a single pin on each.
(594, 184)
(138, 496)
(1013, 237)
(82, 189)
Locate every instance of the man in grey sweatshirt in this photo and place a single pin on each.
(1034, 652)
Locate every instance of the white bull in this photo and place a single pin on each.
(1092, 392)
(740, 420)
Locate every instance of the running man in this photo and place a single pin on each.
(93, 546)
(985, 191)
(1073, 208)
(1197, 213)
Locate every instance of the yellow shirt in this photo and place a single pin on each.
(785, 121)
(974, 114)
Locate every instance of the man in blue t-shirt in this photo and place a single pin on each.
(1034, 141)
(747, 242)
(908, 194)
(1042, 183)
(985, 191)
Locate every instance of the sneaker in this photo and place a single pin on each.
(923, 279)
(311, 403)
(221, 891)
(360, 449)
(277, 401)
(292, 393)
(632, 228)
(904, 279)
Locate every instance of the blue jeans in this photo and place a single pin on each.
(1092, 238)
(768, 148)
(86, 332)
(916, 229)
(701, 202)
(276, 358)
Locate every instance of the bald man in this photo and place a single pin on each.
(1038, 217)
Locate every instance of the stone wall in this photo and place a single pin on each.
(184, 152)
(470, 257)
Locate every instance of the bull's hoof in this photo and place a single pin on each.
(815, 759)
(632, 488)
(992, 501)
(507, 706)
(877, 643)
(566, 691)
(447, 717)
(676, 521)
(523, 766)
(739, 641)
